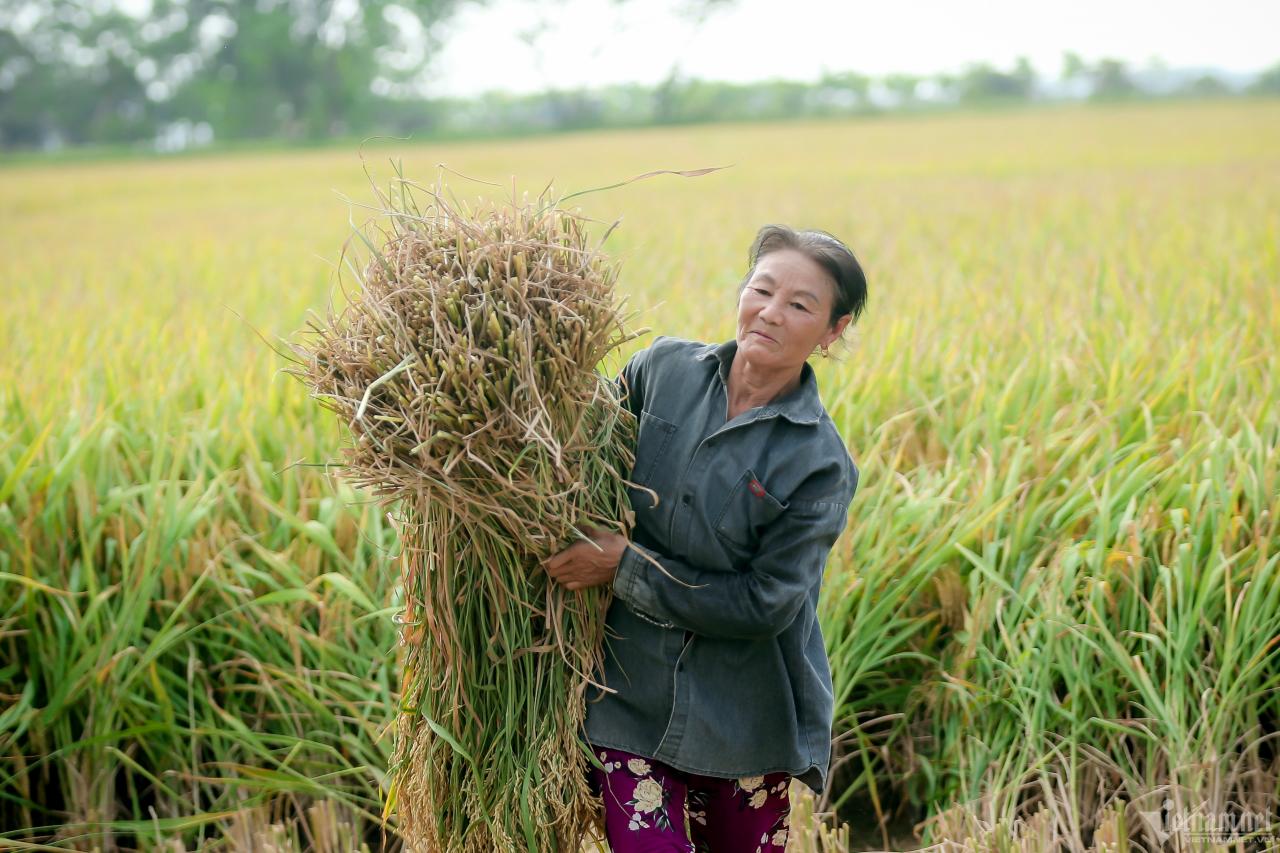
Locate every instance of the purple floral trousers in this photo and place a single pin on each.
(650, 807)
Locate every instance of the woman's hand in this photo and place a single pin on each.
(582, 564)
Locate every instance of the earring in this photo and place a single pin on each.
(825, 354)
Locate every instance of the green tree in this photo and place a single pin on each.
(299, 68)
(67, 75)
(1205, 86)
(848, 89)
(1024, 77)
(667, 95)
(1111, 81)
(982, 82)
(1073, 67)
(303, 69)
(903, 87)
(948, 85)
(1268, 82)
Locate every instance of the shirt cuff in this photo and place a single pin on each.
(630, 584)
(627, 579)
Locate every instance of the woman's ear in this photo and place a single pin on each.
(838, 328)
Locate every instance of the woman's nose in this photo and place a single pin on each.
(770, 312)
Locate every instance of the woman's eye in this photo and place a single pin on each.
(760, 291)
(798, 305)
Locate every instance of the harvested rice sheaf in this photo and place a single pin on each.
(465, 368)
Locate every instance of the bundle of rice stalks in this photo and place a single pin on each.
(466, 371)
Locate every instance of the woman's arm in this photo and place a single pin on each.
(586, 564)
(631, 380)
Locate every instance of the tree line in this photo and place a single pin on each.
(189, 72)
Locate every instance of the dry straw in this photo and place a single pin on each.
(465, 369)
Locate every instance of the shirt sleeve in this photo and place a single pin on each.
(760, 601)
(630, 381)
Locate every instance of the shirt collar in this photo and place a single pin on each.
(801, 405)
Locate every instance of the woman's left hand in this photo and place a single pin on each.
(583, 565)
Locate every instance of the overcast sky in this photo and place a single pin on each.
(595, 42)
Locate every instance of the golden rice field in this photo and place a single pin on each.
(1058, 600)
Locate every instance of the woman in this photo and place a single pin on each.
(722, 689)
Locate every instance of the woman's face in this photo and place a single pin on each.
(783, 311)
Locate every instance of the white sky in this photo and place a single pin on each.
(595, 42)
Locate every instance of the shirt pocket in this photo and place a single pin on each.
(747, 510)
(653, 439)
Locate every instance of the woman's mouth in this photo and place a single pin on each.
(763, 335)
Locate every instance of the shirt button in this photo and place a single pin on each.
(686, 500)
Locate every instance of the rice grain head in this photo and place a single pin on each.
(465, 369)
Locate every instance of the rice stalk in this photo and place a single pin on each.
(465, 370)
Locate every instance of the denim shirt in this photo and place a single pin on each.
(716, 657)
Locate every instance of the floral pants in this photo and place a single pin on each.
(652, 808)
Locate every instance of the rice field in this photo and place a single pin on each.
(1056, 605)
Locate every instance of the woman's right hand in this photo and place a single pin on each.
(588, 563)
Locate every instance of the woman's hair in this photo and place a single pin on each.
(825, 250)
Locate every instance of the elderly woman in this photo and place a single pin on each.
(721, 685)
